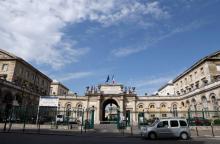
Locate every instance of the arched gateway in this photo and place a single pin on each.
(109, 110)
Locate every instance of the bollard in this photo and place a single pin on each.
(212, 131)
(131, 131)
(197, 133)
(39, 128)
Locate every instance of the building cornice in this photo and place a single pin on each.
(16, 58)
(209, 57)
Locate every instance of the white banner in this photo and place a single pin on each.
(49, 101)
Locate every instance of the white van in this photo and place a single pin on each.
(167, 128)
(60, 118)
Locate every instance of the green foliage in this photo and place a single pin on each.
(217, 122)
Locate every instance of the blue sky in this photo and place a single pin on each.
(143, 43)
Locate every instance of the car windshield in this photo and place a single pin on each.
(59, 116)
(154, 123)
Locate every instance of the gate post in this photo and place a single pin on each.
(92, 118)
(128, 118)
(203, 115)
(118, 118)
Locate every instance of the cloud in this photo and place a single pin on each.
(33, 29)
(75, 75)
(152, 40)
(122, 52)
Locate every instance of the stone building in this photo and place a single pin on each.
(20, 82)
(58, 89)
(197, 89)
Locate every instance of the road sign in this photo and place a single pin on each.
(49, 101)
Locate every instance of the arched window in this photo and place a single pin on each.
(68, 109)
(182, 103)
(194, 105)
(140, 106)
(152, 106)
(79, 110)
(163, 106)
(188, 104)
(214, 102)
(204, 103)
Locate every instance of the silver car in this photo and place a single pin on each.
(167, 128)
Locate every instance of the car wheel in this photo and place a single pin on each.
(152, 136)
(184, 136)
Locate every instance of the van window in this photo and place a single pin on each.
(59, 116)
(183, 123)
(174, 123)
(162, 124)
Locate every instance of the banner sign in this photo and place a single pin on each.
(49, 101)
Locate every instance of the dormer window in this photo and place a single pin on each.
(205, 81)
(197, 84)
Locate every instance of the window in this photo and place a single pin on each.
(33, 76)
(27, 74)
(182, 103)
(183, 123)
(21, 71)
(140, 106)
(197, 84)
(79, 110)
(174, 123)
(205, 81)
(152, 106)
(202, 71)
(195, 73)
(185, 80)
(5, 67)
(218, 67)
(164, 115)
(152, 115)
(163, 124)
(190, 76)
(68, 110)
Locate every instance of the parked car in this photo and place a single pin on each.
(72, 120)
(199, 121)
(167, 128)
(60, 118)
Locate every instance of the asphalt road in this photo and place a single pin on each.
(15, 138)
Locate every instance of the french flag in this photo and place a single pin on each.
(113, 79)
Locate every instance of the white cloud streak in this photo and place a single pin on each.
(123, 52)
(73, 76)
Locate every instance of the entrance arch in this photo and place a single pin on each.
(109, 110)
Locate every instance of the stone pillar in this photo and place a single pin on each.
(98, 111)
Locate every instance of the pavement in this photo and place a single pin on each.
(91, 138)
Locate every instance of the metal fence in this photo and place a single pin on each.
(50, 119)
(45, 119)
